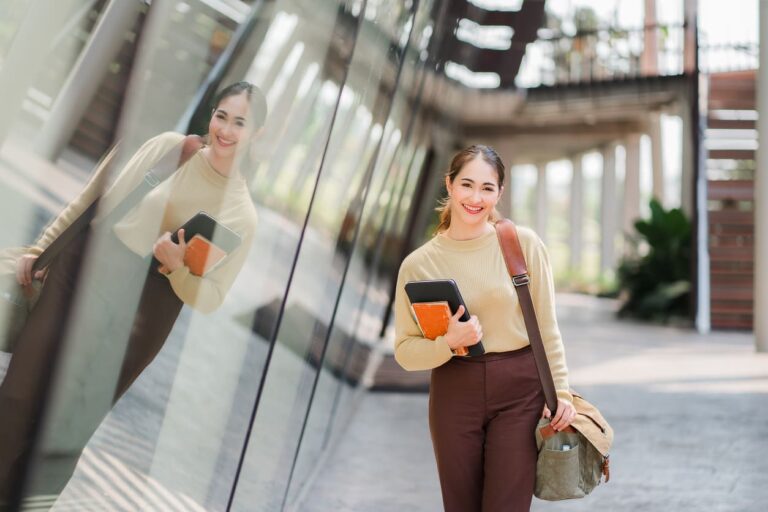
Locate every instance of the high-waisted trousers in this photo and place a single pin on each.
(482, 415)
(121, 316)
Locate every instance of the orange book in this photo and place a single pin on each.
(433, 318)
(202, 255)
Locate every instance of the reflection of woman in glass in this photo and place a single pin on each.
(482, 410)
(123, 318)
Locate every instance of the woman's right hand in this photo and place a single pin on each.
(24, 270)
(463, 334)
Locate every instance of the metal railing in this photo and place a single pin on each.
(604, 54)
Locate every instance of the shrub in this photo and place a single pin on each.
(657, 285)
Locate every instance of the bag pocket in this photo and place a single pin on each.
(558, 475)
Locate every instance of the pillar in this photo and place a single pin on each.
(608, 210)
(30, 47)
(657, 157)
(761, 193)
(86, 76)
(541, 201)
(631, 207)
(576, 213)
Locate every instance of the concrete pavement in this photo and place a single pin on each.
(689, 412)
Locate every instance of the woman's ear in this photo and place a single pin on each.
(448, 185)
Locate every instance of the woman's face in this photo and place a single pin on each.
(229, 125)
(474, 192)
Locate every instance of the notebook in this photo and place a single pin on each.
(208, 242)
(441, 297)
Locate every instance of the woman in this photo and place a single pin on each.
(482, 410)
(128, 305)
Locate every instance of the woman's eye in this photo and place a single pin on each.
(466, 185)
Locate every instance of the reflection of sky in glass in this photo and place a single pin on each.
(498, 5)
(494, 37)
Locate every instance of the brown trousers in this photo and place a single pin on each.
(112, 342)
(482, 415)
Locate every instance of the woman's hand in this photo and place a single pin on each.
(170, 254)
(463, 334)
(24, 270)
(566, 412)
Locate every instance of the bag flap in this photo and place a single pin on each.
(592, 424)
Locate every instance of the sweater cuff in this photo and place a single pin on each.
(564, 394)
(445, 350)
(179, 275)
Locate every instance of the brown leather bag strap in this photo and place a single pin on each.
(167, 165)
(518, 271)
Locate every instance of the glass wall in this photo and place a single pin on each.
(169, 390)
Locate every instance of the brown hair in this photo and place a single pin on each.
(489, 155)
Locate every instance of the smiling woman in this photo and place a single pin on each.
(110, 339)
(482, 409)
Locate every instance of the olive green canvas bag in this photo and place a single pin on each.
(571, 462)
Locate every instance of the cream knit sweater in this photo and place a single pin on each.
(479, 270)
(194, 187)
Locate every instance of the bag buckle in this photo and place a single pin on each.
(520, 280)
(151, 179)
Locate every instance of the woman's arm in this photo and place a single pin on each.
(206, 293)
(126, 180)
(543, 294)
(412, 350)
(76, 207)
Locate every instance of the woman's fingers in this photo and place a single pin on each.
(24, 270)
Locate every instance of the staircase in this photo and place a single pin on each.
(730, 142)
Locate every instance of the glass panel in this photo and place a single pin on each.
(199, 390)
(349, 165)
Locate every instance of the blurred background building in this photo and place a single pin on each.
(595, 106)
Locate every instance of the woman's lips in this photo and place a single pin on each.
(224, 143)
(471, 210)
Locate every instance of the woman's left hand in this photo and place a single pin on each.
(170, 254)
(566, 412)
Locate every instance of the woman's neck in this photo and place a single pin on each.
(460, 231)
(220, 165)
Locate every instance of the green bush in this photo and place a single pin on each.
(657, 286)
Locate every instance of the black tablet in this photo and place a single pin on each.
(206, 226)
(435, 290)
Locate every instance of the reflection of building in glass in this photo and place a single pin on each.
(596, 107)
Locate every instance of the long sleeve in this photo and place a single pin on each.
(543, 294)
(206, 293)
(412, 350)
(126, 180)
(76, 207)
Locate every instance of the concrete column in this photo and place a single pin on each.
(608, 210)
(690, 43)
(30, 46)
(657, 157)
(577, 212)
(761, 193)
(649, 57)
(631, 207)
(687, 174)
(86, 76)
(541, 201)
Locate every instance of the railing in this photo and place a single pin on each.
(612, 54)
(602, 55)
(731, 56)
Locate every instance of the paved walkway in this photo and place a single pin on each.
(689, 412)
